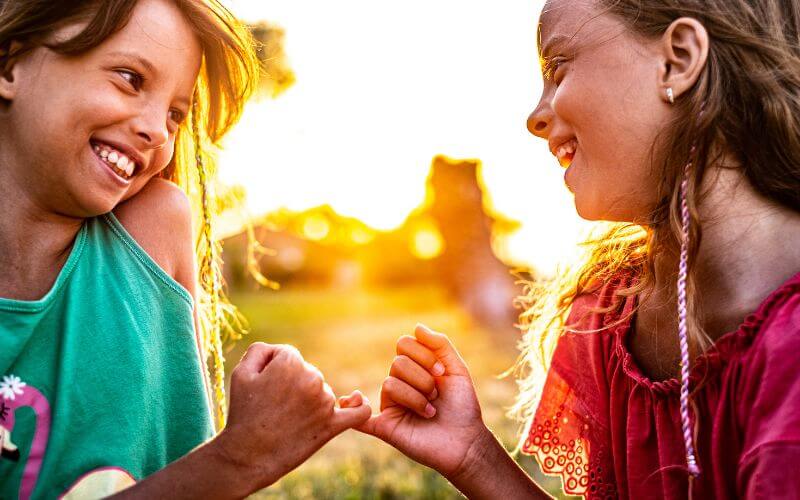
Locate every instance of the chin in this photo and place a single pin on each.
(92, 205)
(587, 211)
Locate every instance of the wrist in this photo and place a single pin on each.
(484, 451)
(243, 475)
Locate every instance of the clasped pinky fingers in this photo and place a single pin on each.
(396, 392)
(353, 411)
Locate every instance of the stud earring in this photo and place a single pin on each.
(670, 95)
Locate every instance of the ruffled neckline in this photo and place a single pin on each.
(712, 360)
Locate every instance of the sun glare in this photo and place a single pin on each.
(427, 242)
(381, 88)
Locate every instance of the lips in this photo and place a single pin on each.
(121, 163)
(565, 152)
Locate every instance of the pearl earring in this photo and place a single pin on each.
(670, 95)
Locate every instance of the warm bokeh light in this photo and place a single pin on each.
(360, 237)
(316, 228)
(383, 87)
(427, 242)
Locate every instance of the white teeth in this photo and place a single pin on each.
(118, 160)
(567, 149)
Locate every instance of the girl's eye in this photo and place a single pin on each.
(133, 78)
(550, 67)
(177, 115)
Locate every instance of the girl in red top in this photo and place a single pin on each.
(679, 121)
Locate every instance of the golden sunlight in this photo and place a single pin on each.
(380, 90)
(427, 242)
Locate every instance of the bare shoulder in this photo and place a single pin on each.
(159, 218)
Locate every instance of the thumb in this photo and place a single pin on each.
(350, 416)
(443, 349)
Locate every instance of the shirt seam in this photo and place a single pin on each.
(40, 304)
(116, 226)
(750, 455)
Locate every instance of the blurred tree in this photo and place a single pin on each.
(276, 74)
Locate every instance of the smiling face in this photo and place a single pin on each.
(600, 109)
(82, 133)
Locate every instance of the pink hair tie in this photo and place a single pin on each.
(686, 423)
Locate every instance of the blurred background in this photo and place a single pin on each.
(383, 176)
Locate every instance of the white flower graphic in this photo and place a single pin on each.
(11, 387)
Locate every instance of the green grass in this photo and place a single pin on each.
(350, 336)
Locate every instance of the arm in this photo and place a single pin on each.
(206, 472)
(281, 412)
(281, 409)
(768, 400)
(430, 412)
(489, 472)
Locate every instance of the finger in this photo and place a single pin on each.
(370, 426)
(289, 355)
(409, 346)
(352, 400)
(413, 374)
(313, 369)
(257, 357)
(347, 418)
(395, 392)
(443, 349)
(327, 388)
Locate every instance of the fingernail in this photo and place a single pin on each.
(365, 401)
(438, 369)
(434, 394)
(430, 411)
(424, 327)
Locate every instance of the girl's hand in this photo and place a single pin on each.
(429, 409)
(281, 412)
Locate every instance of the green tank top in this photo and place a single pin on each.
(102, 382)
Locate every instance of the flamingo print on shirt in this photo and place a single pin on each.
(16, 394)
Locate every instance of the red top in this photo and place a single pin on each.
(610, 432)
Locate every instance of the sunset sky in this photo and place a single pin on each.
(384, 86)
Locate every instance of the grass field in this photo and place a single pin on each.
(350, 336)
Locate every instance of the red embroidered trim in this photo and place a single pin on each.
(569, 458)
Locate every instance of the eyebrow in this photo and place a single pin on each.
(150, 67)
(547, 48)
(136, 57)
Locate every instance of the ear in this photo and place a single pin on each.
(684, 47)
(8, 80)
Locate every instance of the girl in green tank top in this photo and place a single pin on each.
(102, 370)
(102, 379)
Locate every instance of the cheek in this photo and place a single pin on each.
(611, 175)
(163, 156)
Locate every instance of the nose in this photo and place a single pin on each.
(151, 127)
(540, 121)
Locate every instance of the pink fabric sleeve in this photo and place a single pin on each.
(771, 471)
(573, 410)
(769, 406)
